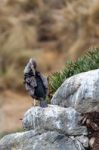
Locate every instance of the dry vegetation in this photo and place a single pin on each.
(52, 31)
(43, 29)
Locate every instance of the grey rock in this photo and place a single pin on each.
(80, 92)
(84, 140)
(54, 118)
(32, 140)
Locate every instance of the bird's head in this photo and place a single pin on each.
(33, 65)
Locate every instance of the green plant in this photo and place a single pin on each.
(90, 61)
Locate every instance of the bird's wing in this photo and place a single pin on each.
(45, 81)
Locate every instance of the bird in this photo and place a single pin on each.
(35, 83)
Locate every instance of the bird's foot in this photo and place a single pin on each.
(43, 104)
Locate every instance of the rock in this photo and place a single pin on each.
(80, 92)
(84, 140)
(54, 118)
(32, 140)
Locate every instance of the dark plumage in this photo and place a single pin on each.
(35, 83)
(40, 91)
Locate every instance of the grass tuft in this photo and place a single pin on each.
(90, 61)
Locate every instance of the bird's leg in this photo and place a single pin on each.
(33, 102)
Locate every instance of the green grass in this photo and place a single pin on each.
(89, 61)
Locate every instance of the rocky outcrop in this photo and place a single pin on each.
(80, 92)
(49, 128)
(59, 128)
(54, 118)
(35, 140)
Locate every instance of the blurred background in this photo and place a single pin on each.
(51, 31)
